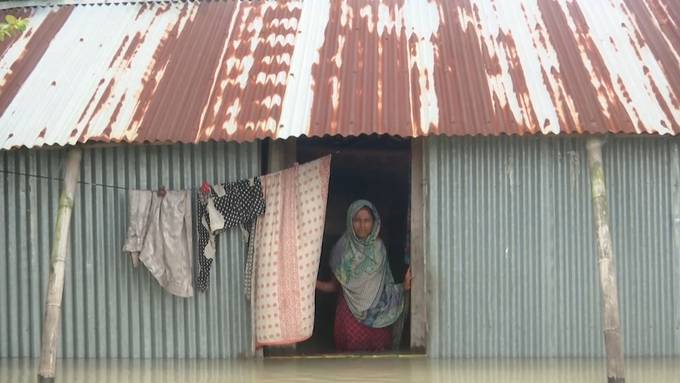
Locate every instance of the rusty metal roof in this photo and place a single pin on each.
(230, 70)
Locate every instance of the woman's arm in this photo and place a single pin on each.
(328, 286)
(407, 279)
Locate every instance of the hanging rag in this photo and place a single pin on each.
(287, 252)
(139, 206)
(226, 206)
(249, 229)
(159, 235)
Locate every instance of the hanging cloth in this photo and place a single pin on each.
(225, 206)
(159, 235)
(287, 252)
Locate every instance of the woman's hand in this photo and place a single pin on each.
(327, 287)
(407, 279)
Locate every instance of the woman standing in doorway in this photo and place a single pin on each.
(370, 301)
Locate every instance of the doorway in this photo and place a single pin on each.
(375, 168)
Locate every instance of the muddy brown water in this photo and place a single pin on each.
(334, 369)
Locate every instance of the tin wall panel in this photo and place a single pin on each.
(111, 309)
(639, 181)
(511, 253)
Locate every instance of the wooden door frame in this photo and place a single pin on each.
(417, 229)
(282, 154)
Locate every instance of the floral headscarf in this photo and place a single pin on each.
(361, 267)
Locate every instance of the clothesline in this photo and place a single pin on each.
(79, 182)
(289, 235)
(61, 179)
(105, 186)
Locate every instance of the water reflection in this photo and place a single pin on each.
(373, 369)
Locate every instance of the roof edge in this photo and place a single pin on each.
(524, 135)
(56, 3)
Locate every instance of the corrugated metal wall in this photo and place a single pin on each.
(111, 309)
(643, 194)
(510, 250)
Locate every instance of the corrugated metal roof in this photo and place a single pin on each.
(228, 70)
(7, 4)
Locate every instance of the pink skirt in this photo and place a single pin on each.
(351, 335)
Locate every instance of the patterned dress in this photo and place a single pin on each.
(350, 335)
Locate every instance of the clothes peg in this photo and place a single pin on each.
(161, 191)
(205, 187)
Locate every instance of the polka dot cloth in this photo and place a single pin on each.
(249, 228)
(227, 206)
(287, 252)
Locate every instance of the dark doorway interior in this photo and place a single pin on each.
(376, 168)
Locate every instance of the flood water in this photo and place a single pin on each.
(357, 369)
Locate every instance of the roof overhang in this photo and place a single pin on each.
(131, 71)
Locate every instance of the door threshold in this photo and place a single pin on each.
(348, 356)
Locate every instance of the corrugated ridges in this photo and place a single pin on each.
(511, 253)
(110, 309)
(239, 71)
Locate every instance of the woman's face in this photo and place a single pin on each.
(362, 223)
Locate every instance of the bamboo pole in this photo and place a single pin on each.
(613, 341)
(55, 285)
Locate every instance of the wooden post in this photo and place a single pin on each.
(613, 341)
(282, 154)
(418, 287)
(55, 286)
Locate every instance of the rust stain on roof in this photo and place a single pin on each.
(120, 50)
(132, 47)
(229, 70)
